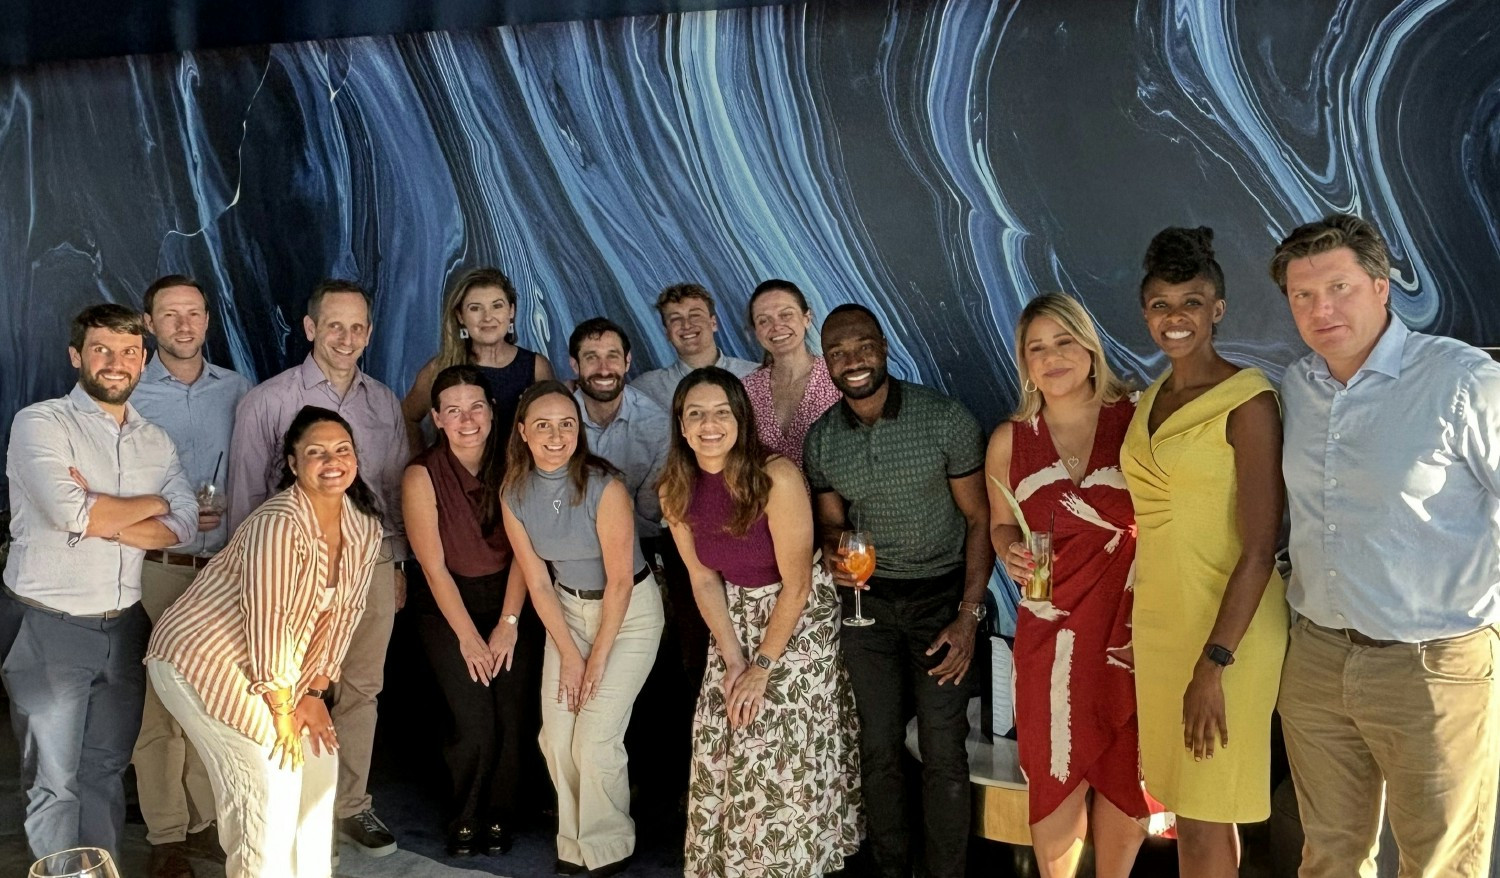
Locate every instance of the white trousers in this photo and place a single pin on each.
(273, 822)
(585, 751)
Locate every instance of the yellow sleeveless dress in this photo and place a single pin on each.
(1182, 481)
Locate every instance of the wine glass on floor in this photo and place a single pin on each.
(857, 549)
(75, 863)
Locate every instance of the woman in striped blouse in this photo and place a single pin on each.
(242, 658)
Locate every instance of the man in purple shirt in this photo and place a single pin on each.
(338, 325)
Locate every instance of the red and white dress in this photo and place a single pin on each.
(1075, 693)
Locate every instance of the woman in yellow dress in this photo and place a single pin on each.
(1202, 458)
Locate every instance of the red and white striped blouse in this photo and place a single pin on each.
(252, 621)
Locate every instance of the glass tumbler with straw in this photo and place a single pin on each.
(857, 549)
(75, 863)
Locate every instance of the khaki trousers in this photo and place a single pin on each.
(361, 678)
(175, 794)
(274, 822)
(1413, 729)
(586, 751)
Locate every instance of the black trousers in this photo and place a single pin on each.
(888, 668)
(493, 734)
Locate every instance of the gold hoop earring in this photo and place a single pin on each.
(1029, 386)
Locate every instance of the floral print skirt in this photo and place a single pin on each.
(779, 797)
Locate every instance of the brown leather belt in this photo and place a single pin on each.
(197, 562)
(597, 594)
(1357, 638)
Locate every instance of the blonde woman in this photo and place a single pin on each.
(1059, 455)
(479, 329)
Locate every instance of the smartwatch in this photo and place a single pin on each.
(1218, 655)
(763, 661)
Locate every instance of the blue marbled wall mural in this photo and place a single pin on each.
(939, 162)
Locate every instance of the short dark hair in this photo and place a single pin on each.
(678, 292)
(1330, 233)
(855, 308)
(116, 318)
(593, 328)
(169, 280)
(1177, 255)
(334, 285)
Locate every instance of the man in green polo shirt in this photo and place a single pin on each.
(906, 464)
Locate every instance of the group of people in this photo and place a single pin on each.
(234, 650)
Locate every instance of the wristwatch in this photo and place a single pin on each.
(1218, 655)
(763, 661)
(316, 693)
(512, 618)
(973, 608)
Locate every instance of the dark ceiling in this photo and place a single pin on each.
(39, 31)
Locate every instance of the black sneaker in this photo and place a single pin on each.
(365, 831)
(563, 867)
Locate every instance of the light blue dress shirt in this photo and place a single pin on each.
(1394, 488)
(636, 443)
(50, 561)
(200, 419)
(661, 384)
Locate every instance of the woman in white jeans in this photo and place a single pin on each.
(572, 529)
(241, 660)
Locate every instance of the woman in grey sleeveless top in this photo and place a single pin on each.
(572, 528)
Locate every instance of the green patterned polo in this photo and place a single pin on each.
(894, 476)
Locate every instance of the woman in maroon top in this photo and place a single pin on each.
(479, 634)
(775, 776)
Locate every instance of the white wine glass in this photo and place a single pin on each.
(75, 863)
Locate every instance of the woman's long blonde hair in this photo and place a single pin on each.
(453, 348)
(1071, 316)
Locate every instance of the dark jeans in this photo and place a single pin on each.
(888, 667)
(77, 688)
(493, 735)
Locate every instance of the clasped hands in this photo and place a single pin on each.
(310, 719)
(485, 659)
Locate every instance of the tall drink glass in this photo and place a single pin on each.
(1039, 587)
(857, 549)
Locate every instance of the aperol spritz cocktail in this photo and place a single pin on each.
(857, 549)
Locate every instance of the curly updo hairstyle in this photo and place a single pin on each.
(1177, 255)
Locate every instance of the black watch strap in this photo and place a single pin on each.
(1218, 655)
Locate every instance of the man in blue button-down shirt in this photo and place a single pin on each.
(93, 487)
(1392, 466)
(193, 400)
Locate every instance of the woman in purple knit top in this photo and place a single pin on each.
(775, 776)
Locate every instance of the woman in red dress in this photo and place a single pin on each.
(1059, 456)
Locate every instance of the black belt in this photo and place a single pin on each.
(597, 594)
(38, 605)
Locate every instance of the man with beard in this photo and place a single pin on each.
(93, 487)
(688, 315)
(338, 325)
(905, 464)
(194, 401)
(624, 426)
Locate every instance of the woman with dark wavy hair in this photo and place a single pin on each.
(572, 528)
(478, 329)
(480, 637)
(1202, 459)
(775, 777)
(242, 660)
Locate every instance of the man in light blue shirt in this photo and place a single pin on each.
(194, 401)
(690, 319)
(93, 487)
(1392, 467)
